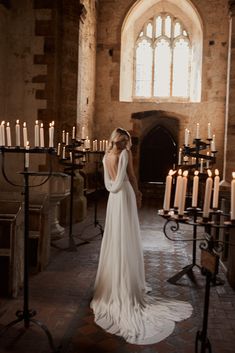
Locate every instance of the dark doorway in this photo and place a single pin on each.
(157, 155)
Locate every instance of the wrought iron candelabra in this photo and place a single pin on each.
(210, 249)
(27, 315)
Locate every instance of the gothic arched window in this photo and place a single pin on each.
(162, 59)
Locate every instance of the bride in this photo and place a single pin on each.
(120, 303)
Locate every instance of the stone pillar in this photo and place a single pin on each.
(229, 138)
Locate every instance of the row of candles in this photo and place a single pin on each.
(39, 141)
(211, 187)
(210, 137)
(192, 160)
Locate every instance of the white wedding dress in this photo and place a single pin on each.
(120, 303)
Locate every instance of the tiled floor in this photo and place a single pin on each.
(61, 296)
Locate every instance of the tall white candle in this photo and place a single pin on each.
(63, 153)
(51, 134)
(26, 157)
(106, 145)
(101, 145)
(216, 190)
(167, 196)
(3, 133)
(186, 137)
(63, 136)
(73, 133)
(1, 144)
(41, 135)
(209, 131)
(207, 161)
(201, 165)
(67, 139)
(198, 131)
(8, 133)
(83, 133)
(180, 157)
(183, 193)
(59, 149)
(36, 134)
(213, 149)
(195, 188)
(178, 188)
(25, 134)
(232, 211)
(17, 130)
(207, 196)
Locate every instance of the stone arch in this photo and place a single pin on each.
(134, 20)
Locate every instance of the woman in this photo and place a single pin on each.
(120, 303)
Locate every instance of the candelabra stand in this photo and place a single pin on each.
(26, 315)
(98, 163)
(210, 248)
(70, 166)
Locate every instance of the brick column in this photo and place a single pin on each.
(229, 139)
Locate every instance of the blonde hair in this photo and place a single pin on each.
(118, 132)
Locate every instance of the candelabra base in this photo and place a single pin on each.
(187, 270)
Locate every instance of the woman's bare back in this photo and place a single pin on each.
(112, 160)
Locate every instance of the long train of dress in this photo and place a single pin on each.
(120, 303)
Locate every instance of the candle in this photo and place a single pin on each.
(67, 139)
(1, 144)
(178, 188)
(26, 155)
(94, 145)
(106, 145)
(51, 134)
(167, 196)
(3, 133)
(232, 212)
(195, 188)
(180, 157)
(213, 144)
(17, 130)
(197, 131)
(216, 190)
(183, 193)
(41, 135)
(63, 136)
(201, 165)
(207, 196)
(25, 134)
(186, 137)
(63, 153)
(101, 145)
(36, 134)
(209, 131)
(59, 149)
(83, 133)
(8, 133)
(73, 133)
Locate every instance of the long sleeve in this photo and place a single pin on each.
(115, 186)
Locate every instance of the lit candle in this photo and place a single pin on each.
(207, 196)
(25, 134)
(3, 133)
(186, 137)
(106, 145)
(216, 190)
(73, 133)
(101, 145)
(180, 157)
(201, 165)
(63, 136)
(83, 133)
(233, 197)
(59, 149)
(41, 135)
(183, 193)
(63, 153)
(195, 188)
(26, 156)
(213, 144)
(178, 189)
(209, 131)
(51, 134)
(67, 139)
(36, 134)
(167, 196)
(8, 133)
(197, 131)
(1, 144)
(17, 130)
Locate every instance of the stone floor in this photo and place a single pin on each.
(61, 295)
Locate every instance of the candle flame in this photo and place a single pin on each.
(185, 173)
(36, 122)
(27, 144)
(171, 172)
(233, 174)
(17, 121)
(180, 171)
(8, 124)
(3, 122)
(52, 123)
(24, 124)
(209, 173)
(41, 124)
(216, 172)
(196, 172)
